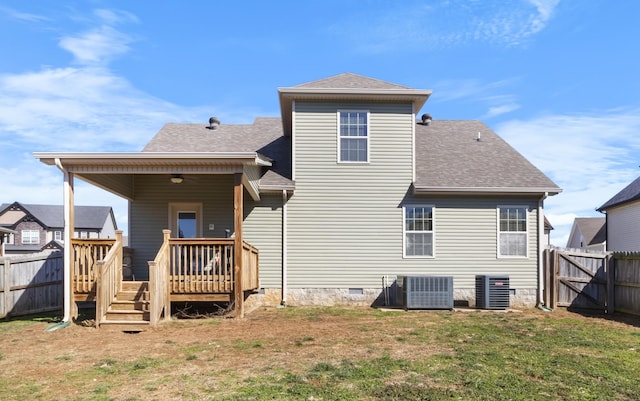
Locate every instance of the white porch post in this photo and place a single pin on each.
(69, 225)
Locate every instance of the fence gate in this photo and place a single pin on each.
(579, 280)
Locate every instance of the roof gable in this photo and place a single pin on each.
(52, 216)
(349, 80)
(467, 156)
(629, 193)
(592, 229)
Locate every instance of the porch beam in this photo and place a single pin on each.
(237, 248)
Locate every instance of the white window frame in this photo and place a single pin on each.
(525, 233)
(366, 137)
(432, 232)
(57, 235)
(24, 234)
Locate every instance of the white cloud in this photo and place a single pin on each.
(22, 16)
(592, 157)
(502, 109)
(438, 25)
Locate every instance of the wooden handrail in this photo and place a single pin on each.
(86, 253)
(159, 282)
(108, 279)
(250, 276)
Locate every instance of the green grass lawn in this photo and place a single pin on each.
(349, 354)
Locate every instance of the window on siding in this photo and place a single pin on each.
(418, 231)
(84, 235)
(353, 142)
(57, 235)
(512, 231)
(30, 237)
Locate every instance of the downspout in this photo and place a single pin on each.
(541, 250)
(67, 241)
(284, 248)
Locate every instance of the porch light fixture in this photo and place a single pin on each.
(177, 178)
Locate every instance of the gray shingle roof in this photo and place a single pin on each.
(52, 216)
(349, 80)
(449, 157)
(264, 136)
(629, 193)
(592, 229)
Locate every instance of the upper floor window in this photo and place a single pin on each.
(30, 237)
(353, 136)
(512, 231)
(57, 235)
(418, 231)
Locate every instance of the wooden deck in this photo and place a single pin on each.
(195, 269)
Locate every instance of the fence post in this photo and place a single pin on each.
(610, 267)
(6, 287)
(553, 291)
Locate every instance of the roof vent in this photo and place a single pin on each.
(426, 119)
(213, 123)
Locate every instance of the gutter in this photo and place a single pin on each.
(540, 301)
(283, 302)
(424, 190)
(67, 248)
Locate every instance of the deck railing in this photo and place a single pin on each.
(250, 277)
(159, 282)
(86, 253)
(108, 279)
(201, 265)
(204, 265)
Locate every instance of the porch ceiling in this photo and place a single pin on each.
(114, 171)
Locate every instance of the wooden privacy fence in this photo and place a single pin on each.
(605, 282)
(31, 284)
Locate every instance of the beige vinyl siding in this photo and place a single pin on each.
(466, 242)
(623, 228)
(263, 229)
(149, 213)
(345, 221)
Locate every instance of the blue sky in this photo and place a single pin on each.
(559, 80)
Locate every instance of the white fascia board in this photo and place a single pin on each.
(484, 190)
(227, 157)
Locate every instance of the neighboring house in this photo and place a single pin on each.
(346, 188)
(623, 219)
(589, 234)
(5, 235)
(40, 227)
(547, 232)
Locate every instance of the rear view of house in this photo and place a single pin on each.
(351, 186)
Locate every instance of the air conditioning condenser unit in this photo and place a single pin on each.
(425, 292)
(492, 292)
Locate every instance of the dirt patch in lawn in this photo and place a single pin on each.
(211, 353)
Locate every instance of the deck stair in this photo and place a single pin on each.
(130, 310)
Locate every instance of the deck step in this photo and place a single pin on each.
(126, 325)
(135, 286)
(129, 305)
(133, 296)
(127, 315)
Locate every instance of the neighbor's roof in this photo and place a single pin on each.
(630, 193)
(451, 159)
(264, 137)
(52, 216)
(347, 87)
(592, 229)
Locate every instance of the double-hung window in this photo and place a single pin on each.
(418, 231)
(512, 231)
(30, 237)
(353, 136)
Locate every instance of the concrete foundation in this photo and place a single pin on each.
(520, 297)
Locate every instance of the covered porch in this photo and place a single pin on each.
(213, 268)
